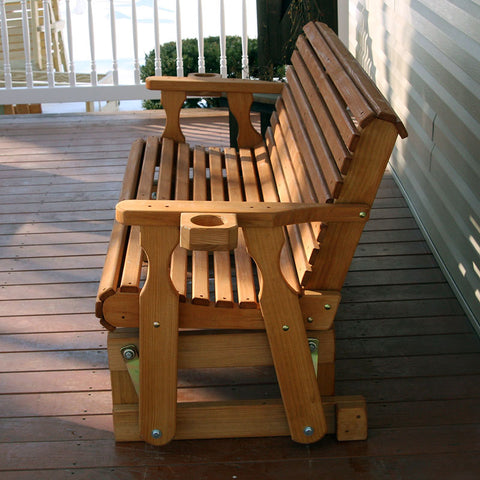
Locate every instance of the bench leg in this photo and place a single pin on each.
(287, 337)
(158, 331)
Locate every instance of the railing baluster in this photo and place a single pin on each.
(48, 43)
(245, 72)
(136, 65)
(114, 43)
(201, 55)
(223, 41)
(93, 68)
(179, 41)
(71, 65)
(158, 60)
(26, 45)
(6, 48)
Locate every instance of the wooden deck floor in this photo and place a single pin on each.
(402, 338)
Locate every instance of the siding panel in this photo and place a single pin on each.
(425, 57)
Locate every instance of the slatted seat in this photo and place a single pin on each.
(249, 248)
(170, 171)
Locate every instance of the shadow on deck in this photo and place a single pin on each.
(402, 339)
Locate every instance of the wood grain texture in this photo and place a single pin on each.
(172, 103)
(249, 214)
(158, 344)
(211, 84)
(112, 266)
(240, 104)
(200, 268)
(287, 337)
(123, 311)
(132, 262)
(222, 269)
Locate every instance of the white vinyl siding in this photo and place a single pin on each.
(425, 57)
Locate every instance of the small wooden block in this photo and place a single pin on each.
(351, 421)
(35, 108)
(22, 109)
(319, 308)
(209, 232)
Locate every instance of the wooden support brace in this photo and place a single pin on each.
(172, 103)
(240, 104)
(287, 337)
(245, 418)
(158, 332)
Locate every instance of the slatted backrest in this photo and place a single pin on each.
(327, 107)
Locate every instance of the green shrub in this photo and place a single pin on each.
(168, 55)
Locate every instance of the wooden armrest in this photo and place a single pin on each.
(211, 84)
(249, 214)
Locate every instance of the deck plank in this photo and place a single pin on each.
(402, 337)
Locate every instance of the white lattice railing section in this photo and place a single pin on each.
(38, 63)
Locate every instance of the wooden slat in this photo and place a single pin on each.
(324, 159)
(293, 170)
(221, 260)
(249, 176)
(301, 263)
(134, 255)
(179, 257)
(166, 169)
(269, 194)
(166, 183)
(200, 270)
(327, 123)
(375, 98)
(243, 264)
(347, 129)
(112, 266)
(347, 89)
(322, 191)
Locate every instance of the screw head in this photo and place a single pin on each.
(156, 433)
(156, 324)
(308, 431)
(286, 328)
(327, 306)
(310, 319)
(362, 214)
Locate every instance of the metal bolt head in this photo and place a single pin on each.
(308, 431)
(313, 346)
(156, 324)
(362, 214)
(286, 328)
(327, 306)
(129, 352)
(156, 433)
(310, 319)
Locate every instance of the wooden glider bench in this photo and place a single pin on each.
(195, 217)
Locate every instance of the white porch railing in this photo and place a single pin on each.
(40, 40)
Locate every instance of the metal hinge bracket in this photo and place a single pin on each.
(130, 357)
(314, 343)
